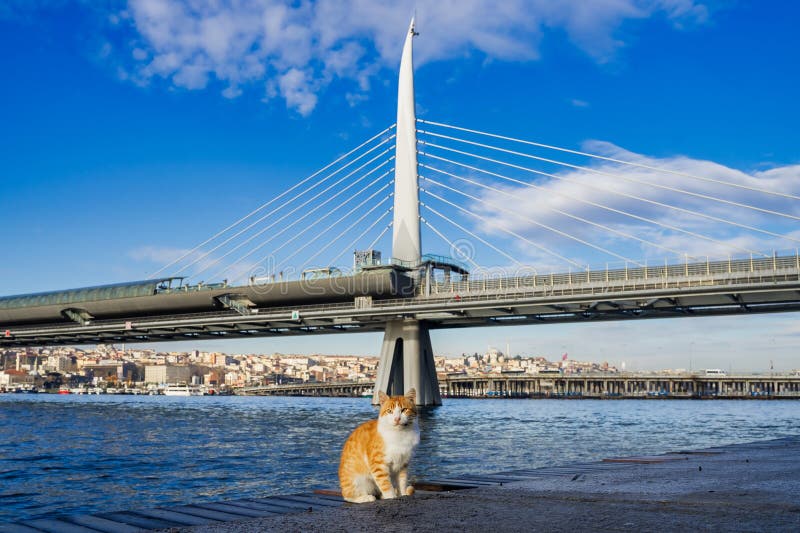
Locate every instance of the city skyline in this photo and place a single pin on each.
(136, 132)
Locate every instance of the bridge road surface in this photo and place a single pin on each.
(692, 289)
(746, 487)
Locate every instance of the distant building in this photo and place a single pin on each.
(60, 363)
(220, 359)
(167, 374)
(12, 377)
(214, 378)
(108, 370)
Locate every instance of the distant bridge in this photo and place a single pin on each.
(346, 389)
(573, 386)
(624, 386)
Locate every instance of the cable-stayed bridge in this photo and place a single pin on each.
(526, 233)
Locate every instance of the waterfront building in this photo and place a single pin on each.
(12, 377)
(167, 374)
(214, 378)
(234, 379)
(110, 370)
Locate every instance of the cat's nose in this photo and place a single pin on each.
(396, 420)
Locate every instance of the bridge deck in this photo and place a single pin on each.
(693, 289)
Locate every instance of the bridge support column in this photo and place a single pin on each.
(407, 362)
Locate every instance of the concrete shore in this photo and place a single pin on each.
(747, 487)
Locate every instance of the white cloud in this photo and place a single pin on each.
(231, 92)
(296, 88)
(591, 203)
(304, 46)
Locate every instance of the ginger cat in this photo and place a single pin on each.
(376, 455)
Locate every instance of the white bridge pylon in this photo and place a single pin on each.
(406, 355)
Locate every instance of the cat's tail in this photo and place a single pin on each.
(410, 490)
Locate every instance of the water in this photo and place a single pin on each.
(82, 454)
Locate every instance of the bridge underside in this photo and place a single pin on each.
(437, 311)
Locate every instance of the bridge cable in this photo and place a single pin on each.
(381, 234)
(504, 229)
(291, 224)
(286, 215)
(604, 189)
(285, 204)
(341, 219)
(619, 161)
(318, 221)
(273, 200)
(449, 243)
(545, 226)
(328, 228)
(602, 173)
(473, 235)
(307, 214)
(282, 206)
(355, 241)
(575, 217)
(601, 206)
(343, 232)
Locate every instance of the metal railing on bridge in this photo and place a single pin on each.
(724, 272)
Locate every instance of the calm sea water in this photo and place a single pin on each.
(84, 454)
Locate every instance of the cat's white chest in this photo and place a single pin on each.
(399, 445)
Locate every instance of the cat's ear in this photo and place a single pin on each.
(382, 397)
(412, 395)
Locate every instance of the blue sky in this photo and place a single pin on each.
(132, 130)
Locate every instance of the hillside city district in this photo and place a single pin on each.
(107, 369)
(110, 369)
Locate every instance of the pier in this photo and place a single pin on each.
(578, 386)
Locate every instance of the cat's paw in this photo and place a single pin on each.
(409, 491)
(366, 498)
(389, 494)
